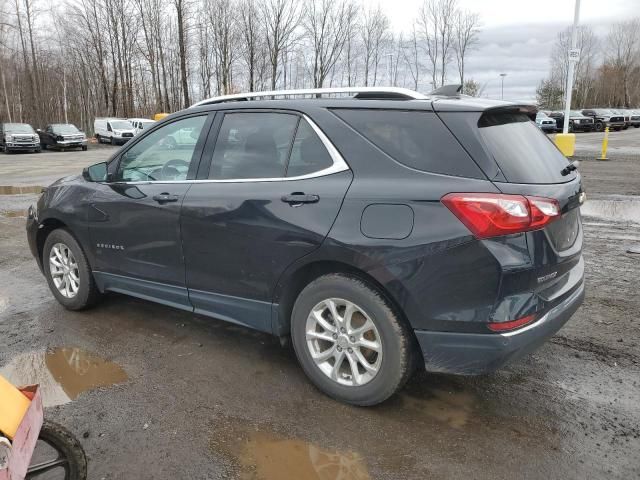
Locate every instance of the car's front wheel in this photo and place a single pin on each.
(349, 341)
(67, 271)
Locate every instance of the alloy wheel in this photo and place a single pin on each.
(344, 342)
(64, 270)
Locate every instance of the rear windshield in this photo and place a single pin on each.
(64, 128)
(521, 150)
(416, 139)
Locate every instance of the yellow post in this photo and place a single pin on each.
(566, 143)
(605, 143)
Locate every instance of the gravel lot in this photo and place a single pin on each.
(157, 393)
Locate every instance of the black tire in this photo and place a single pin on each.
(67, 447)
(98, 138)
(44, 146)
(87, 294)
(396, 339)
(112, 141)
(84, 148)
(599, 127)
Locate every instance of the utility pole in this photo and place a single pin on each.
(574, 56)
(502, 75)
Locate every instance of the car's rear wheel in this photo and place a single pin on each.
(349, 341)
(68, 272)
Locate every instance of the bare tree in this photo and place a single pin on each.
(181, 11)
(280, 20)
(251, 38)
(436, 21)
(328, 25)
(623, 52)
(465, 30)
(411, 55)
(373, 31)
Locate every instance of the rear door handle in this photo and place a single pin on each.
(165, 197)
(298, 198)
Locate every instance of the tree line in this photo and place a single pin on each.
(128, 58)
(607, 73)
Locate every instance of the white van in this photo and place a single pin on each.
(140, 124)
(116, 131)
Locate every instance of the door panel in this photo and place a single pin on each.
(134, 222)
(239, 237)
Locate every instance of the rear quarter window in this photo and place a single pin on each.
(416, 139)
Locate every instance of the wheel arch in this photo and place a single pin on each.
(47, 226)
(289, 288)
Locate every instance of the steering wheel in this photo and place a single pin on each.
(169, 170)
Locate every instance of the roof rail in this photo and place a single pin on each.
(389, 93)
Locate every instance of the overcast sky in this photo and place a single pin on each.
(517, 36)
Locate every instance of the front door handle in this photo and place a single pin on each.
(165, 197)
(298, 198)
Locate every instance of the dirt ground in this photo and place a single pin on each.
(156, 393)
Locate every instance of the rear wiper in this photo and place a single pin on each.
(569, 168)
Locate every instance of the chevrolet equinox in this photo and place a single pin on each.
(380, 229)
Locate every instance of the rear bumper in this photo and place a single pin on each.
(477, 353)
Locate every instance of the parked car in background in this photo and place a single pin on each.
(279, 215)
(18, 137)
(140, 124)
(61, 136)
(624, 114)
(116, 131)
(545, 122)
(635, 118)
(604, 117)
(577, 121)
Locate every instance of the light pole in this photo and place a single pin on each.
(502, 75)
(574, 56)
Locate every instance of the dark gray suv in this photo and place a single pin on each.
(381, 231)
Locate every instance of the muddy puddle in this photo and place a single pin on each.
(63, 373)
(448, 407)
(264, 455)
(619, 209)
(13, 213)
(12, 190)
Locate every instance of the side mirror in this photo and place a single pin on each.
(96, 173)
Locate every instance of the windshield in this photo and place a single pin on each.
(603, 111)
(575, 113)
(18, 128)
(64, 128)
(541, 115)
(120, 125)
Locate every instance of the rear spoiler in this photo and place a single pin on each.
(529, 110)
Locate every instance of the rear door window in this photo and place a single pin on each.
(253, 145)
(521, 150)
(416, 139)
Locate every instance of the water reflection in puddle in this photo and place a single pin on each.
(63, 373)
(11, 190)
(266, 456)
(449, 407)
(621, 209)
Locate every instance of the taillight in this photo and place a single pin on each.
(494, 214)
(511, 325)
